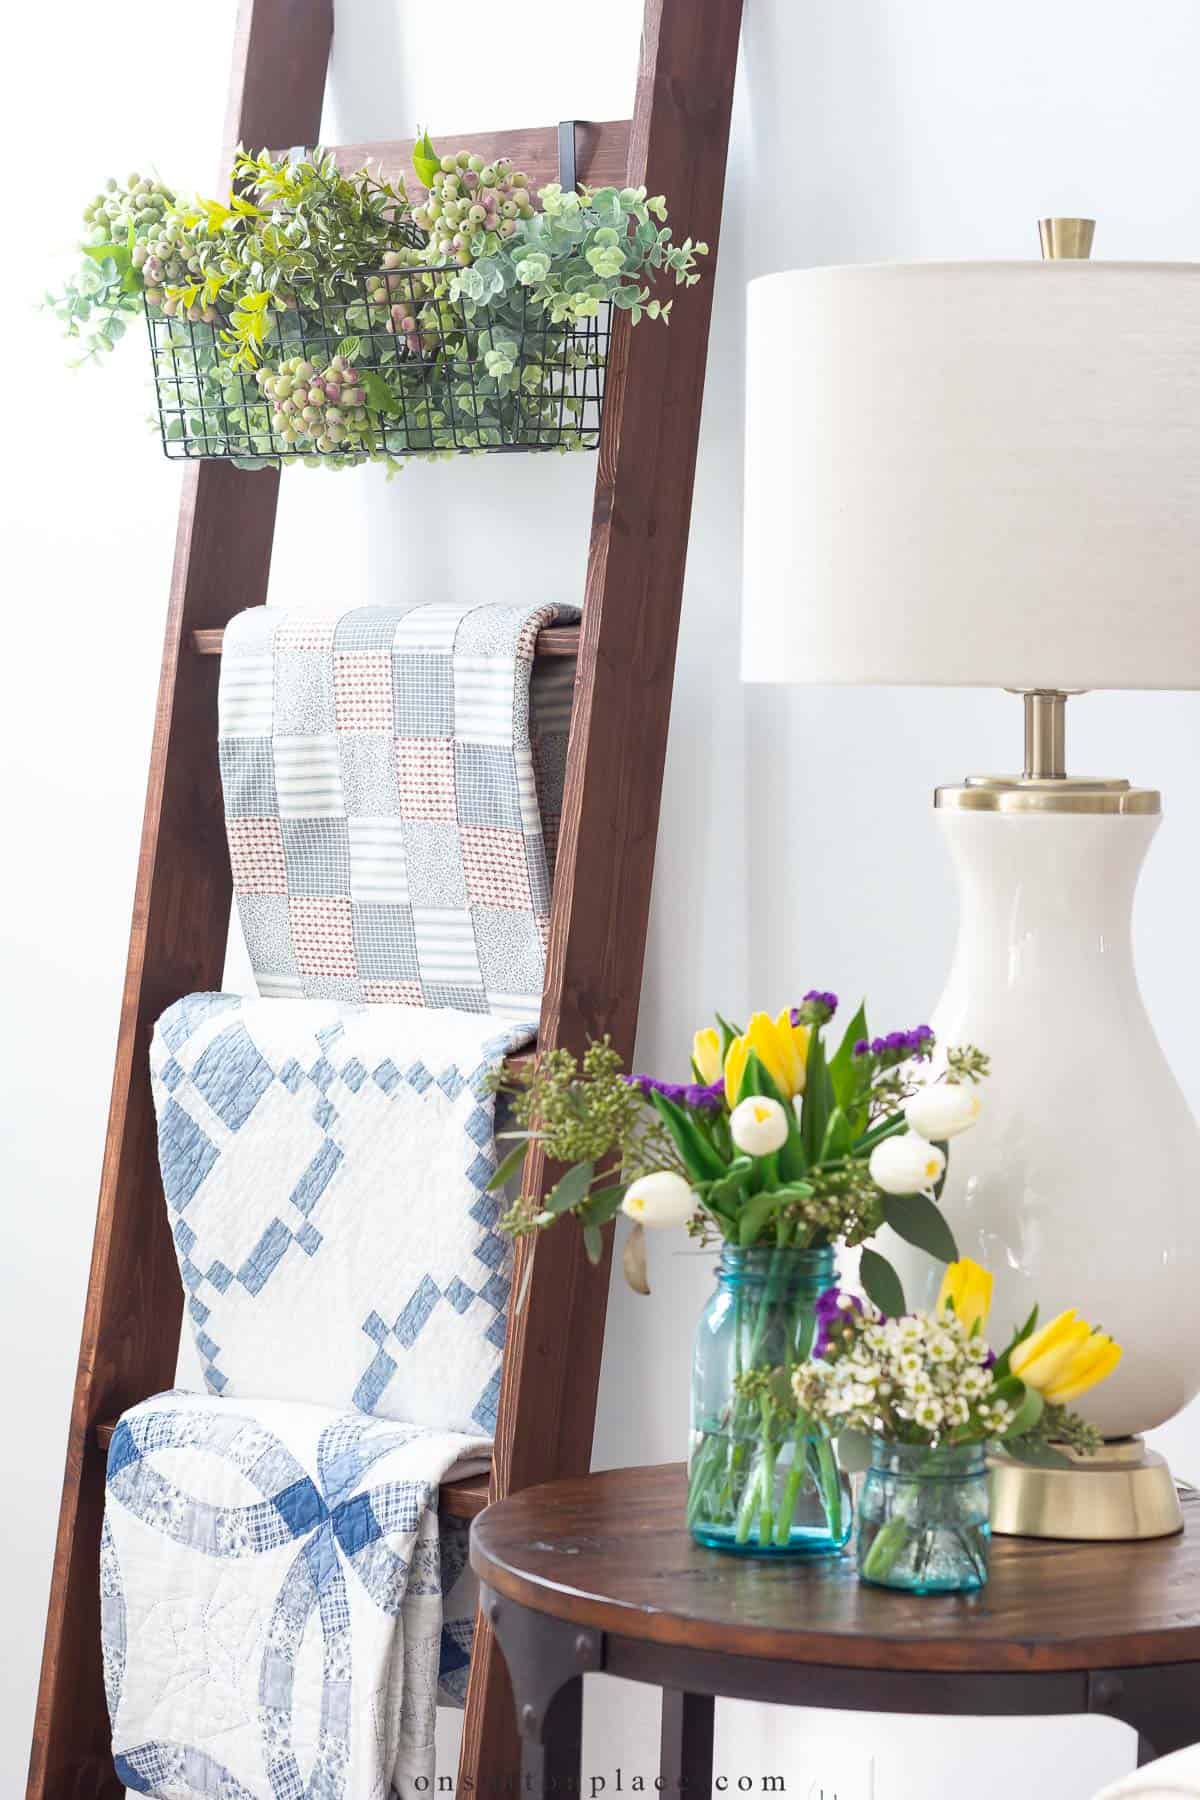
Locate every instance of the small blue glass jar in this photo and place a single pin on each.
(923, 1518)
(756, 1486)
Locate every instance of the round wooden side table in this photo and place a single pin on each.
(599, 1574)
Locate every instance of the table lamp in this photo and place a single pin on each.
(988, 474)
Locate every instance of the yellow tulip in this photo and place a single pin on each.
(706, 1055)
(735, 1067)
(969, 1287)
(781, 1048)
(1065, 1358)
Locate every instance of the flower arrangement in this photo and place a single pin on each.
(324, 317)
(927, 1387)
(778, 1149)
(775, 1142)
(931, 1378)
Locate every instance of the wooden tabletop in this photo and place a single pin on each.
(610, 1551)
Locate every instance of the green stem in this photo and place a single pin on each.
(888, 1542)
(747, 1509)
(706, 1462)
(829, 1482)
(766, 1518)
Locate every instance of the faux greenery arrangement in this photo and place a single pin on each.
(322, 317)
(777, 1142)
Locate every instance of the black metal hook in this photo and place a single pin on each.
(566, 155)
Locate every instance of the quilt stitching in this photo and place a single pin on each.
(241, 1091)
(407, 760)
(357, 1524)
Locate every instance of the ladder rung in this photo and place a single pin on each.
(556, 640)
(458, 1499)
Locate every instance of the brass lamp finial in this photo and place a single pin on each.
(1064, 239)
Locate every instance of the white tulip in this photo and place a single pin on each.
(758, 1125)
(661, 1199)
(942, 1110)
(906, 1165)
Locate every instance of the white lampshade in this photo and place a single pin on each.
(974, 473)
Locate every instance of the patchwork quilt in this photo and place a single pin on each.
(393, 781)
(272, 1601)
(325, 1168)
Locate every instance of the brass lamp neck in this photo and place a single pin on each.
(1044, 785)
(1045, 735)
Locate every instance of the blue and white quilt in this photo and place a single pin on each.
(272, 1600)
(325, 1166)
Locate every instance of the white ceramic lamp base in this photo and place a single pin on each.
(1081, 1186)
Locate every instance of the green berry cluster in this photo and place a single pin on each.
(314, 408)
(141, 203)
(581, 1111)
(472, 207)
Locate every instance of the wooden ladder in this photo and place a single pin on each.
(676, 144)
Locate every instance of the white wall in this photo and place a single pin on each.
(796, 846)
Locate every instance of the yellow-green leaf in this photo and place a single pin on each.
(426, 161)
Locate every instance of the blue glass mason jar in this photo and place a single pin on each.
(759, 1485)
(923, 1521)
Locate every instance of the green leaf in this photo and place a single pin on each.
(571, 1189)
(881, 1283)
(836, 1142)
(593, 1242)
(727, 1187)
(379, 394)
(603, 1204)
(349, 348)
(756, 1212)
(1029, 1411)
(1001, 1367)
(758, 1080)
(117, 254)
(918, 1220)
(699, 1158)
(818, 1100)
(885, 1129)
(426, 161)
(508, 1166)
(842, 1069)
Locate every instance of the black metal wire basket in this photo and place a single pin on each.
(384, 364)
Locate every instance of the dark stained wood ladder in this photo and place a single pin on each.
(676, 144)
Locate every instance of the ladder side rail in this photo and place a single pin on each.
(604, 870)
(181, 911)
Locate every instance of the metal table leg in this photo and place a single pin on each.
(686, 1761)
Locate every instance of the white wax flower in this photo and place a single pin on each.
(906, 1164)
(758, 1125)
(661, 1199)
(942, 1110)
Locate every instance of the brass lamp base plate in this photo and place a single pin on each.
(1125, 1491)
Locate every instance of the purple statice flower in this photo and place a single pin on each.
(898, 1046)
(692, 1094)
(817, 1008)
(828, 1311)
